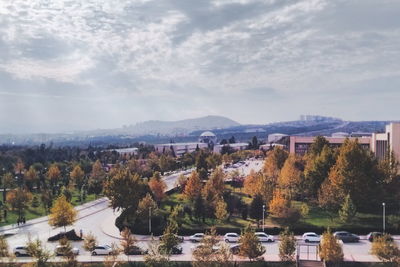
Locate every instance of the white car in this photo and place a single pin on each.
(311, 237)
(263, 237)
(196, 237)
(20, 251)
(231, 237)
(102, 250)
(60, 250)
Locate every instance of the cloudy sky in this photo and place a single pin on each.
(86, 64)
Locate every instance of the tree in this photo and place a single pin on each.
(250, 246)
(36, 250)
(53, 174)
(199, 207)
(169, 239)
(19, 200)
(385, 249)
(128, 241)
(96, 178)
(125, 190)
(4, 252)
(221, 212)
(279, 204)
(77, 175)
(67, 252)
(31, 177)
(7, 183)
(193, 186)
(256, 208)
(348, 210)
(62, 213)
(214, 189)
(157, 186)
(154, 257)
(274, 162)
(253, 184)
(290, 178)
(145, 204)
(330, 249)
(317, 170)
(287, 246)
(318, 145)
(304, 209)
(89, 242)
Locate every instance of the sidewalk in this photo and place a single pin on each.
(46, 218)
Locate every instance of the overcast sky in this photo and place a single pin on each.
(75, 65)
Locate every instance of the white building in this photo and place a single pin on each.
(235, 146)
(275, 137)
(179, 148)
(208, 138)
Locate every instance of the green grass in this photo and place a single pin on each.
(33, 213)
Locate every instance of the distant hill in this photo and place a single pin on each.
(181, 127)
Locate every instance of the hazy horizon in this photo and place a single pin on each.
(100, 64)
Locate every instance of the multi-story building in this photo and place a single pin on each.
(179, 148)
(378, 143)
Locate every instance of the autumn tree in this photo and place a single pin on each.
(279, 204)
(157, 187)
(193, 186)
(274, 162)
(66, 250)
(356, 173)
(53, 174)
(385, 249)
(31, 177)
(19, 200)
(96, 178)
(287, 246)
(7, 183)
(169, 239)
(250, 246)
(330, 249)
(4, 249)
(36, 250)
(290, 178)
(348, 210)
(62, 213)
(221, 212)
(77, 175)
(317, 146)
(253, 184)
(89, 242)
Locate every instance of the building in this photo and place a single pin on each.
(234, 146)
(130, 151)
(381, 142)
(275, 137)
(208, 138)
(179, 148)
(300, 144)
(378, 143)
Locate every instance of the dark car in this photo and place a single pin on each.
(346, 237)
(135, 250)
(236, 249)
(371, 236)
(175, 250)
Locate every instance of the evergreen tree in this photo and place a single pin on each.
(198, 209)
(256, 208)
(348, 210)
(250, 246)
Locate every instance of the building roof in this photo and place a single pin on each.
(207, 134)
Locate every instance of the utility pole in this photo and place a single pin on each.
(383, 206)
(263, 217)
(150, 219)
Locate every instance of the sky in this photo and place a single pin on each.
(86, 64)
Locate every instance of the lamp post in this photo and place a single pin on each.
(263, 217)
(150, 220)
(383, 206)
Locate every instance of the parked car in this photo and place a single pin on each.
(231, 237)
(346, 236)
(371, 236)
(135, 250)
(236, 249)
(180, 238)
(263, 237)
(175, 250)
(311, 237)
(20, 251)
(61, 250)
(196, 237)
(102, 250)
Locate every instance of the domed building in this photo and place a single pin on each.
(208, 138)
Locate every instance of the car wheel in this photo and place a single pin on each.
(17, 254)
(227, 240)
(94, 253)
(306, 240)
(270, 240)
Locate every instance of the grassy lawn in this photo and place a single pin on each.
(33, 213)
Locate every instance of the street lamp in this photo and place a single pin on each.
(383, 206)
(150, 220)
(263, 217)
